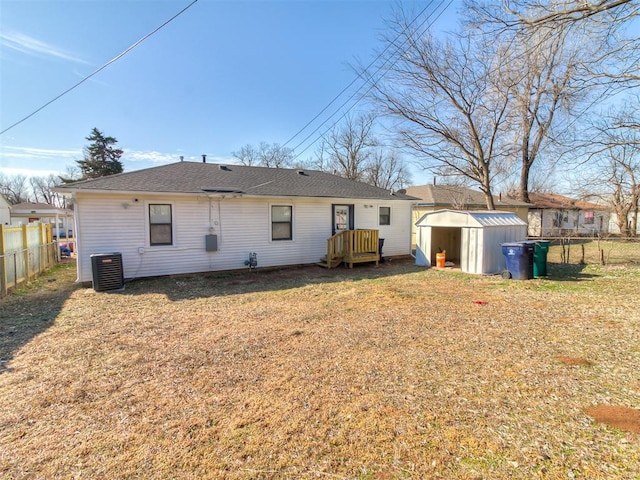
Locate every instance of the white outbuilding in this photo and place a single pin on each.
(470, 239)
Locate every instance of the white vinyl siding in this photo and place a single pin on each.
(397, 235)
(118, 223)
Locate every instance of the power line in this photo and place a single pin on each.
(373, 83)
(600, 97)
(354, 80)
(114, 59)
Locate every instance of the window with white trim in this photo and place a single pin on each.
(281, 222)
(160, 224)
(384, 214)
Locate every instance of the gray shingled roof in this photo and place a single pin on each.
(453, 195)
(193, 177)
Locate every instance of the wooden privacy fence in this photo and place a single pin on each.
(25, 251)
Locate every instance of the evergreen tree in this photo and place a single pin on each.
(101, 158)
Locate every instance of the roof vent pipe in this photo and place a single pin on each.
(182, 158)
(204, 158)
(434, 180)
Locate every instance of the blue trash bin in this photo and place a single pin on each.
(519, 257)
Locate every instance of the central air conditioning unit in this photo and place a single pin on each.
(107, 272)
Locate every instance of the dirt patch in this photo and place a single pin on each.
(624, 418)
(573, 361)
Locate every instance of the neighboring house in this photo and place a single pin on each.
(613, 224)
(62, 219)
(453, 197)
(5, 212)
(554, 215)
(189, 217)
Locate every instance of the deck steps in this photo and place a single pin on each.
(352, 246)
(324, 264)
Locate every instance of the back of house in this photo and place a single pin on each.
(189, 217)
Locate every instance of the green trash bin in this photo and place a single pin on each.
(540, 258)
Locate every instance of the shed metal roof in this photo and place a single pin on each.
(469, 218)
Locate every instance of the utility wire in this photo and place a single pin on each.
(596, 100)
(601, 97)
(373, 83)
(359, 76)
(114, 59)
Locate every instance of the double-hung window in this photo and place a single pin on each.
(160, 225)
(384, 216)
(281, 222)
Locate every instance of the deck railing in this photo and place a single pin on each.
(353, 246)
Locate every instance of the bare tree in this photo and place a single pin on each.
(42, 190)
(270, 155)
(72, 174)
(347, 148)
(621, 171)
(541, 179)
(14, 188)
(352, 150)
(561, 56)
(451, 101)
(544, 71)
(563, 12)
(386, 170)
(247, 155)
(615, 169)
(605, 28)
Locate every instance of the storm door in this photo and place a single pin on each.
(342, 218)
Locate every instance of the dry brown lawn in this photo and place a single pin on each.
(370, 373)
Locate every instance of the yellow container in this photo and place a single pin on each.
(440, 260)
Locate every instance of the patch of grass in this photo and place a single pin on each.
(615, 252)
(389, 372)
(48, 280)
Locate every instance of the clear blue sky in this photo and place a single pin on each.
(221, 75)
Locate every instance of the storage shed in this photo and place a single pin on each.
(471, 239)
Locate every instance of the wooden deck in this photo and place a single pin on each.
(351, 246)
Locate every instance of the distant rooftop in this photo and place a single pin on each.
(560, 202)
(457, 197)
(27, 207)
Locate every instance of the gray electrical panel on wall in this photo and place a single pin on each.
(211, 243)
